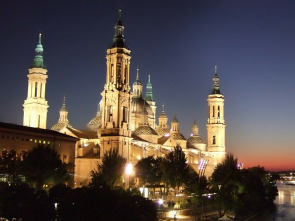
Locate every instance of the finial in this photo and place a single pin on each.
(149, 78)
(64, 103)
(63, 107)
(163, 109)
(137, 76)
(40, 38)
(215, 69)
(119, 13)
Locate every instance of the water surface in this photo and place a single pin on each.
(285, 205)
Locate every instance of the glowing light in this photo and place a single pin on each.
(129, 169)
(160, 201)
(167, 135)
(138, 157)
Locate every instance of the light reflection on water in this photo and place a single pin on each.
(285, 203)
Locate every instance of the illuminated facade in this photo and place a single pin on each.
(126, 120)
(36, 106)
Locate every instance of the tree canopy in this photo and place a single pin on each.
(42, 165)
(149, 170)
(175, 168)
(242, 191)
(110, 171)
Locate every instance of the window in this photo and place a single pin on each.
(213, 111)
(36, 87)
(214, 140)
(218, 112)
(125, 114)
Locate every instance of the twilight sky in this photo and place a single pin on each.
(178, 43)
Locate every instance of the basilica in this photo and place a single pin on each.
(126, 119)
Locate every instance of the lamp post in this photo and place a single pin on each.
(128, 172)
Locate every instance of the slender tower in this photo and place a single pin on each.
(36, 106)
(149, 99)
(116, 97)
(216, 123)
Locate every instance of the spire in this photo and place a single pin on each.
(175, 119)
(195, 129)
(63, 107)
(215, 88)
(137, 75)
(163, 112)
(119, 40)
(163, 109)
(38, 60)
(149, 93)
(137, 81)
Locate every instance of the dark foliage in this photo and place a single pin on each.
(22, 201)
(110, 172)
(10, 165)
(175, 168)
(89, 203)
(42, 165)
(242, 191)
(149, 170)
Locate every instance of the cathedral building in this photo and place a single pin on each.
(126, 119)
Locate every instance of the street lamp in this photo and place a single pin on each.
(129, 172)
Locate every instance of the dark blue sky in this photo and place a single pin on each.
(178, 43)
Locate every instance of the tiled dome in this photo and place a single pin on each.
(145, 129)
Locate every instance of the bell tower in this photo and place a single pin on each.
(216, 123)
(36, 106)
(116, 97)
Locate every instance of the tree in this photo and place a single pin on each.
(22, 202)
(89, 203)
(10, 164)
(175, 168)
(42, 165)
(242, 191)
(259, 190)
(110, 171)
(149, 170)
(226, 180)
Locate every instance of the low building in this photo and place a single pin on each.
(23, 139)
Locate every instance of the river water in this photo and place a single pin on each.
(285, 205)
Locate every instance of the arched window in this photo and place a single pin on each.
(218, 112)
(36, 87)
(213, 111)
(214, 140)
(125, 114)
